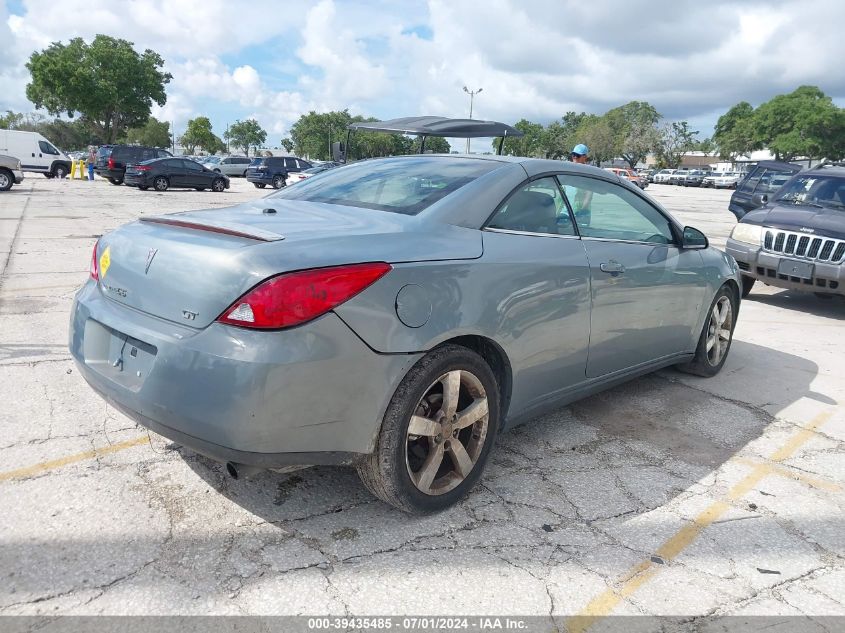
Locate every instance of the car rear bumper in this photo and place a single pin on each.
(759, 264)
(135, 180)
(109, 173)
(309, 395)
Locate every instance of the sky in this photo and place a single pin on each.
(534, 59)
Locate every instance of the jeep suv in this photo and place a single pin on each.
(796, 240)
(274, 170)
(112, 160)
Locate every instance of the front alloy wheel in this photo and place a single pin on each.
(716, 336)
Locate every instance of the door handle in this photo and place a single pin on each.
(612, 267)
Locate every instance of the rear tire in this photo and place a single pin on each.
(435, 467)
(116, 181)
(278, 182)
(219, 185)
(161, 183)
(716, 336)
(747, 285)
(6, 180)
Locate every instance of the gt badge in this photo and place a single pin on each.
(105, 262)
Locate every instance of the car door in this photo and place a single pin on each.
(175, 172)
(647, 292)
(541, 299)
(194, 174)
(46, 155)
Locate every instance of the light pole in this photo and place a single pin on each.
(471, 94)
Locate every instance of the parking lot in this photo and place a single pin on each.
(671, 495)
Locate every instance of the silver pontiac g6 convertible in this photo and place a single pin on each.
(396, 315)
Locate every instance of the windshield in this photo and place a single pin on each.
(404, 185)
(212, 159)
(815, 190)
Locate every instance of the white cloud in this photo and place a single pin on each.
(535, 59)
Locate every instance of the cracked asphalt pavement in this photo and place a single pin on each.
(670, 495)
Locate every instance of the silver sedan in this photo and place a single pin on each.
(397, 315)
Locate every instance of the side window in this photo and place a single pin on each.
(162, 153)
(606, 210)
(290, 163)
(537, 207)
(46, 148)
(148, 154)
(772, 180)
(191, 165)
(750, 183)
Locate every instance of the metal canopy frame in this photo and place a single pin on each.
(425, 126)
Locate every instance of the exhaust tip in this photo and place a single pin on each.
(232, 470)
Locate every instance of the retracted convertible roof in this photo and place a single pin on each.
(424, 126)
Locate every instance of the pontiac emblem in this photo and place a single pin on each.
(150, 256)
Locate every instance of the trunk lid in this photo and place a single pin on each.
(189, 267)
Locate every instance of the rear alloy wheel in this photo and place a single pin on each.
(161, 183)
(60, 171)
(278, 182)
(259, 185)
(6, 180)
(218, 185)
(715, 341)
(747, 285)
(437, 432)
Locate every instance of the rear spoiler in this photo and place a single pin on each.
(224, 228)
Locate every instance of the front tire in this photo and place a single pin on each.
(161, 183)
(716, 336)
(437, 432)
(60, 171)
(6, 180)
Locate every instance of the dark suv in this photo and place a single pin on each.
(112, 159)
(274, 170)
(796, 239)
(764, 179)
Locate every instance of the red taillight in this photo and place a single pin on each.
(295, 298)
(142, 168)
(111, 162)
(95, 270)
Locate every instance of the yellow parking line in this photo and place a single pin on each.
(36, 469)
(601, 606)
(774, 469)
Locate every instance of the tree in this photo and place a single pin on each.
(707, 146)
(246, 134)
(804, 122)
(676, 138)
(313, 134)
(597, 133)
(433, 144)
(198, 133)
(153, 133)
(561, 136)
(287, 144)
(107, 82)
(734, 132)
(530, 144)
(634, 127)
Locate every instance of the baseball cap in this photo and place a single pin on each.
(581, 149)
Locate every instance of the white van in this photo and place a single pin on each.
(35, 152)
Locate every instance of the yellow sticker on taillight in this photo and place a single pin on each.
(105, 262)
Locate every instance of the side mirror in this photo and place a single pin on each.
(759, 199)
(694, 239)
